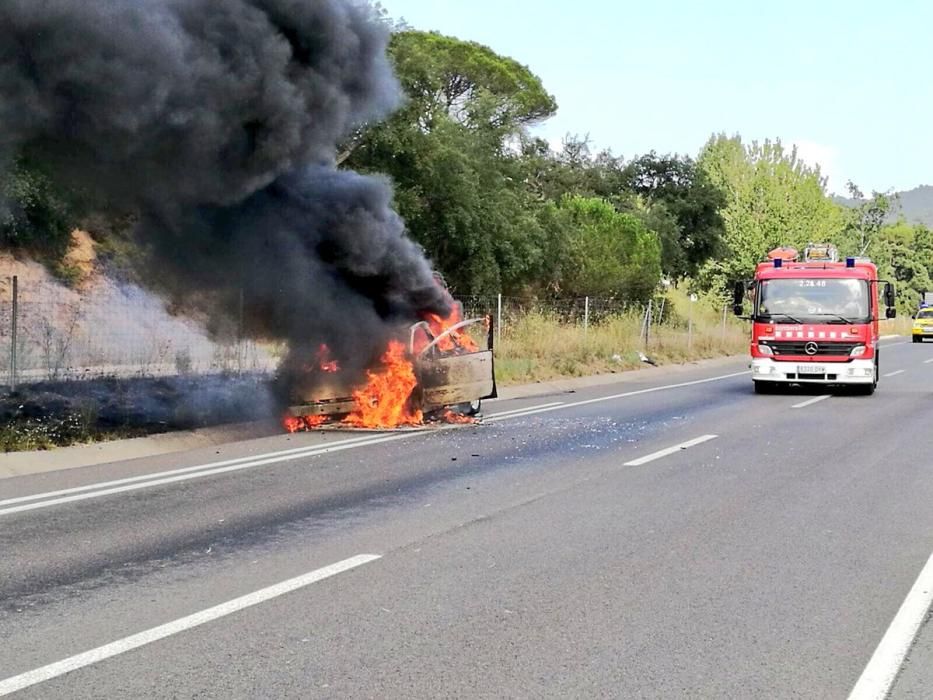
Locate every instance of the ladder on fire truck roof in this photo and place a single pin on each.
(814, 252)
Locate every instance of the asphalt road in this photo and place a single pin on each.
(561, 549)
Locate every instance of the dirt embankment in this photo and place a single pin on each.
(98, 358)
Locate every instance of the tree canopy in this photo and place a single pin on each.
(36, 216)
(688, 201)
(772, 198)
(468, 83)
(484, 199)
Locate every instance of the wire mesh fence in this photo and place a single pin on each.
(123, 332)
(579, 310)
(585, 311)
(570, 336)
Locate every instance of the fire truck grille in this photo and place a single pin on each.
(822, 349)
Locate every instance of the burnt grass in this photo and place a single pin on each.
(53, 414)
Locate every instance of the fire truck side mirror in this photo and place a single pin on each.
(891, 312)
(738, 297)
(889, 298)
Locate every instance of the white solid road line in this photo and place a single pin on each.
(879, 675)
(203, 472)
(22, 504)
(804, 404)
(73, 663)
(894, 374)
(522, 410)
(670, 451)
(927, 362)
(283, 454)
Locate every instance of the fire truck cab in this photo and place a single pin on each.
(815, 321)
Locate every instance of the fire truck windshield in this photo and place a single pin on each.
(814, 301)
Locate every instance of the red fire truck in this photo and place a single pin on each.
(815, 321)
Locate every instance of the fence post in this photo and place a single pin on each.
(648, 322)
(586, 317)
(499, 320)
(239, 337)
(725, 308)
(13, 333)
(690, 326)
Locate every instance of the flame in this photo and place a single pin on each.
(457, 418)
(385, 400)
(325, 361)
(295, 423)
(456, 340)
(438, 325)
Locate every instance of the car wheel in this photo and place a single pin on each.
(468, 409)
(918, 339)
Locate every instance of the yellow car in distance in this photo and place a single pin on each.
(923, 325)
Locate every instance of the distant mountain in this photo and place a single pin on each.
(916, 205)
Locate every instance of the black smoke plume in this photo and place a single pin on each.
(217, 121)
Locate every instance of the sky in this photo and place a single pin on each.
(847, 82)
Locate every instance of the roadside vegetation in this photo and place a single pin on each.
(29, 434)
(57, 414)
(539, 346)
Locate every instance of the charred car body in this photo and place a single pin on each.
(453, 370)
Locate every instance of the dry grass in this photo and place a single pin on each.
(901, 325)
(538, 347)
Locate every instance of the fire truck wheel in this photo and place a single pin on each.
(763, 388)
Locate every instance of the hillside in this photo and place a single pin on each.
(915, 206)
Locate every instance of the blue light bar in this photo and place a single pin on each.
(778, 262)
(850, 262)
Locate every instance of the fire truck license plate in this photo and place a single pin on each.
(811, 369)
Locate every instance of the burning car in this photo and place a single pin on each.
(439, 369)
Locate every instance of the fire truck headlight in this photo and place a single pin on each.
(765, 350)
(857, 351)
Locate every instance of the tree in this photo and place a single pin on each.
(604, 252)
(867, 218)
(685, 209)
(468, 83)
(448, 79)
(35, 214)
(462, 200)
(772, 199)
(904, 254)
(574, 170)
(459, 185)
